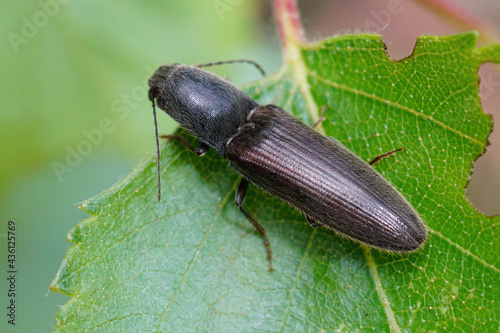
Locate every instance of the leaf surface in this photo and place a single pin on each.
(193, 262)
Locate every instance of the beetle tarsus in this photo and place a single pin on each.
(200, 150)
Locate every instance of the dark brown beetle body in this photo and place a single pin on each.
(270, 148)
(332, 186)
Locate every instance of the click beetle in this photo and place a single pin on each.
(332, 186)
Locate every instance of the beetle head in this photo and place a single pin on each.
(210, 107)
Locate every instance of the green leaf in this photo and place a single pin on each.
(193, 262)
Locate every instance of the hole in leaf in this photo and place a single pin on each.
(484, 188)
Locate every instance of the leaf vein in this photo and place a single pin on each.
(299, 272)
(465, 251)
(202, 244)
(397, 105)
(380, 290)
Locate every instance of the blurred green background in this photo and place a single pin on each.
(87, 62)
(75, 117)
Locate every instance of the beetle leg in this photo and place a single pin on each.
(379, 157)
(312, 222)
(240, 198)
(321, 117)
(334, 140)
(200, 150)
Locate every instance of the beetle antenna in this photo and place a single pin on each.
(157, 151)
(248, 61)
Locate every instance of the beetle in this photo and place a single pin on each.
(332, 186)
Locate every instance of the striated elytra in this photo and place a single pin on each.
(333, 187)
